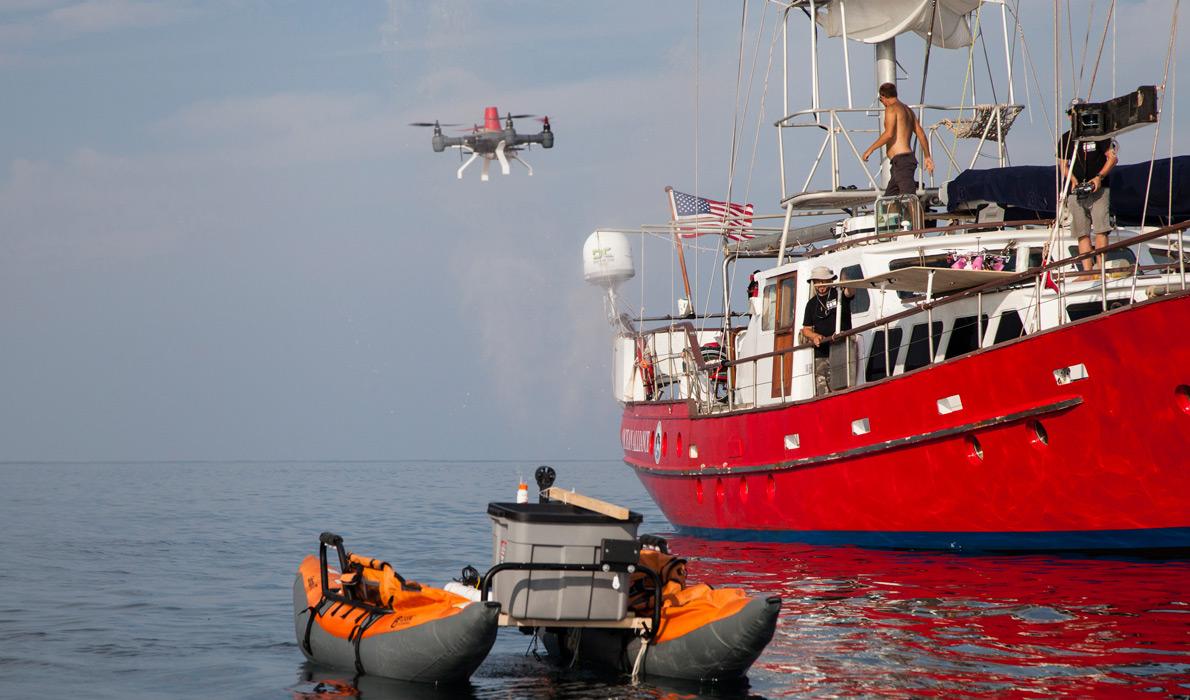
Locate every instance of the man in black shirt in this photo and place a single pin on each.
(819, 322)
(1089, 211)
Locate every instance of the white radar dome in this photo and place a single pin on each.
(607, 259)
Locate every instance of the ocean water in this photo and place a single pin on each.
(174, 581)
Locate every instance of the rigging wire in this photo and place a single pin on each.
(697, 84)
(1173, 32)
(734, 138)
(1057, 93)
(1049, 124)
(1171, 100)
(1173, 105)
(987, 63)
(1111, 9)
(1082, 62)
(1070, 47)
(697, 111)
(747, 99)
(735, 118)
(764, 93)
(968, 79)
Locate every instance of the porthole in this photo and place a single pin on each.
(1037, 434)
(974, 449)
(743, 488)
(664, 442)
(698, 490)
(678, 446)
(719, 490)
(770, 487)
(1182, 396)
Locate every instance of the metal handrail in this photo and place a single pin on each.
(695, 365)
(785, 122)
(999, 225)
(490, 576)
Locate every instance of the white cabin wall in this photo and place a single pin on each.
(626, 381)
(745, 374)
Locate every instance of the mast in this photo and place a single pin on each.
(886, 61)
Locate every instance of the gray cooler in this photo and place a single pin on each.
(557, 533)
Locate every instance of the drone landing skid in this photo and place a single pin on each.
(502, 158)
(463, 167)
(500, 155)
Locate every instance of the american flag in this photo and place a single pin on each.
(732, 220)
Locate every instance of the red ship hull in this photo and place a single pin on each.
(1027, 463)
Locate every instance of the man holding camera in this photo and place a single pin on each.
(1089, 195)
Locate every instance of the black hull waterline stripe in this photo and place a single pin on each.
(807, 462)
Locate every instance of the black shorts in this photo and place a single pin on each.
(900, 179)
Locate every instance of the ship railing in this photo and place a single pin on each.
(683, 369)
(989, 122)
(886, 233)
(1115, 287)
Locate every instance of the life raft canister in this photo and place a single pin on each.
(713, 356)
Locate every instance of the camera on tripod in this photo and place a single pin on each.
(1084, 189)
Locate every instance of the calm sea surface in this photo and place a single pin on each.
(174, 580)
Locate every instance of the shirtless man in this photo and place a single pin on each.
(899, 127)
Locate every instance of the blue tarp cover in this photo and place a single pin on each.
(1028, 190)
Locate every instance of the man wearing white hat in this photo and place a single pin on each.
(822, 315)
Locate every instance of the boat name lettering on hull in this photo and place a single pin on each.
(635, 440)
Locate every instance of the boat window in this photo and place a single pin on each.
(785, 310)
(769, 311)
(1010, 326)
(1035, 257)
(861, 301)
(964, 337)
(918, 354)
(876, 366)
(1118, 254)
(1166, 256)
(1090, 308)
(938, 260)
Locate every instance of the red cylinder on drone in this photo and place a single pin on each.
(491, 119)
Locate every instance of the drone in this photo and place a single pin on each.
(491, 141)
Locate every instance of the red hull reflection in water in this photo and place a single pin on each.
(873, 622)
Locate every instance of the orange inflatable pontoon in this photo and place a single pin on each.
(365, 617)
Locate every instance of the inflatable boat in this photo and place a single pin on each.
(703, 633)
(366, 618)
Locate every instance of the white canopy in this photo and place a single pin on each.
(873, 21)
(917, 279)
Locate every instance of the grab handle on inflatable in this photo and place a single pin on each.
(330, 539)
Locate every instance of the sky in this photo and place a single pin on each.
(220, 239)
